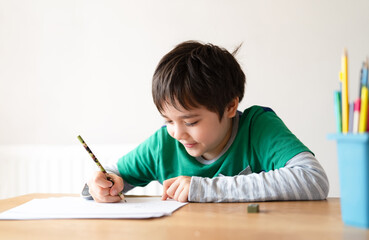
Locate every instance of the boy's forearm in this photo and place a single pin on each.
(302, 178)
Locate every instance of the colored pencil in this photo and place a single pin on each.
(102, 169)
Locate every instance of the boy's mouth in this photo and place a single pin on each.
(189, 145)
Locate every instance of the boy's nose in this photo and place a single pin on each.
(179, 133)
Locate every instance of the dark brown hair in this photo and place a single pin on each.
(195, 74)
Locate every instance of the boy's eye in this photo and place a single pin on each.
(191, 124)
(168, 122)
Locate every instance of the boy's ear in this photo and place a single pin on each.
(232, 107)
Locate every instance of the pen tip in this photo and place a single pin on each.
(345, 51)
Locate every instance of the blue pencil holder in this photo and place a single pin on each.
(353, 165)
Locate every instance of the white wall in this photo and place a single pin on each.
(57, 168)
(84, 67)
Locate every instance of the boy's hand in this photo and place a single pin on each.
(177, 188)
(103, 190)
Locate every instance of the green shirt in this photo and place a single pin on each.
(263, 142)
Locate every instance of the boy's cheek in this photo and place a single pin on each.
(170, 132)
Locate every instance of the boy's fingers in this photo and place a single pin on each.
(101, 181)
(164, 197)
(118, 184)
(173, 189)
(166, 184)
(103, 195)
(102, 191)
(183, 197)
(108, 198)
(179, 192)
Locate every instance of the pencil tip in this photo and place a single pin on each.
(345, 51)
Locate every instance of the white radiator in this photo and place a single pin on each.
(56, 169)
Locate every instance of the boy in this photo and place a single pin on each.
(208, 151)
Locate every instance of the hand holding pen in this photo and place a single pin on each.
(104, 187)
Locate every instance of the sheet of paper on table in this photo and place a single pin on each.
(76, 207)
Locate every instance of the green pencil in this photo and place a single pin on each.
(102, 169)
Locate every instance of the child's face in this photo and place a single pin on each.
(199, 130)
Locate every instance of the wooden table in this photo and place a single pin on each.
(276, 220)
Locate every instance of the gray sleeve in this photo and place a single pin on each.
(113, 168)
(302, 178)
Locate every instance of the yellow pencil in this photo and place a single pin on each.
(345, 104)
(363, 110)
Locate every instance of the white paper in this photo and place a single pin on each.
(76, 207)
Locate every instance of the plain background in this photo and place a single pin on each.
(85, 67)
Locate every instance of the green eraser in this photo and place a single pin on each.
(253, 208)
